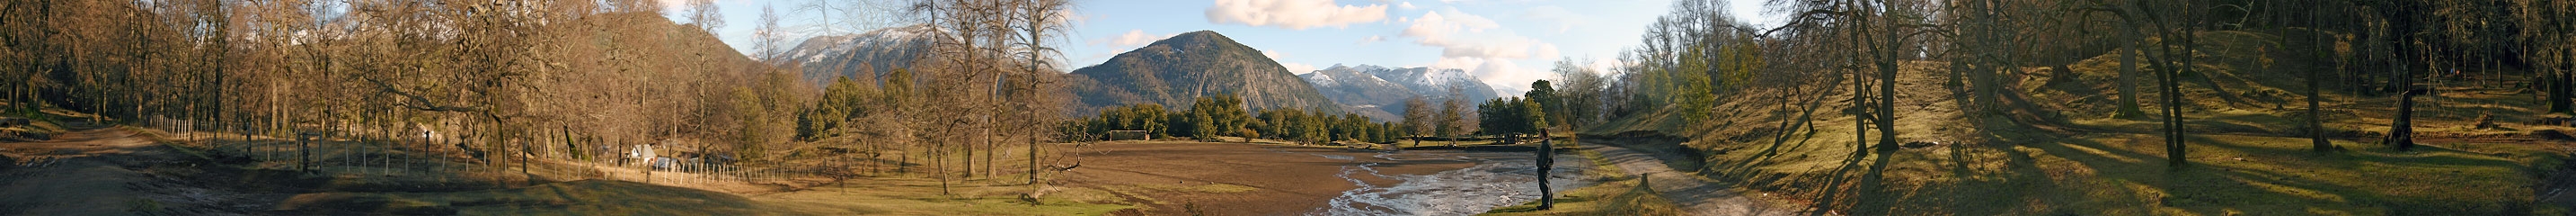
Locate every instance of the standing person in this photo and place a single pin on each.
(1546, 162)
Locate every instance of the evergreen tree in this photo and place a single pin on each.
(1541, 91)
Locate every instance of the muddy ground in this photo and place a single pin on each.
(1175, 178)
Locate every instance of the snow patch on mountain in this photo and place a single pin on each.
(1384, 90)
(874, 53)
(1320, 78)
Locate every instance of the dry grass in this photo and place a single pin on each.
(2067, 155)
(405, 179)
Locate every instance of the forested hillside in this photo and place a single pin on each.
(613, 73)
(2122, 107)
(1177, 70)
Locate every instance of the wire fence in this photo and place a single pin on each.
(428, 154)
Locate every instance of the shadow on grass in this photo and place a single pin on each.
(2230, 176)
(585, 197)
(2032, 172)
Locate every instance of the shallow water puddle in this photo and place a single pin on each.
(1498, 179)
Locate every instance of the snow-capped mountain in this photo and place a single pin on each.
(875, 53)
(1436, 82)
(1380, 92)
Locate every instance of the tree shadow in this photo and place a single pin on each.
(1799, 128)
(1833, 183)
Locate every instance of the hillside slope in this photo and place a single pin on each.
(2056, 149)
(1175, 71)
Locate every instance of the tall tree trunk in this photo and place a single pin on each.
(940, 170)
(2555, 84)
(2401, 16)
(1887, 100)
(1033, 160)
(1860, 113)
(2176, 44)
(2173, 120)
(1860, 98)
(2177, 150)
(2316, 118)
(2128, 75)
(2401, 130)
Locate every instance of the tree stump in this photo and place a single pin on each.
(2486, 121)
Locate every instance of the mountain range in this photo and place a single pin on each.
(872, 54)
(1171, 72)
(1379, 92)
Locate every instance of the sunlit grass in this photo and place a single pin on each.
(2248, 154)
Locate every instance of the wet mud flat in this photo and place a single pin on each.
(1257, 179)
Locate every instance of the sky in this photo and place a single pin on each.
(1506, 43)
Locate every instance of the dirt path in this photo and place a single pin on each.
(97, 171)
(1693, 194)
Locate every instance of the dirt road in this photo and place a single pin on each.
(1693, 194)
(98, 171)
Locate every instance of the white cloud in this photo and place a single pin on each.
(1563, 20)
(1458, 63)
(1605, 66)
(1282, 59)
(1501, 90)
(1132, 38)
(1406, 6)
(1434, 27)
(673, 6)
(1297, 68)
(1545, 51)
(1494, 71)
(1292, 14)
(1466, 44)
(1068, 16)
(1372, 39)
(1439, 29)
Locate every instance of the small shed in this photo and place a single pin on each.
(1127, 135)
(642, 151)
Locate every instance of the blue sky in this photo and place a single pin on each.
(1507, 43)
